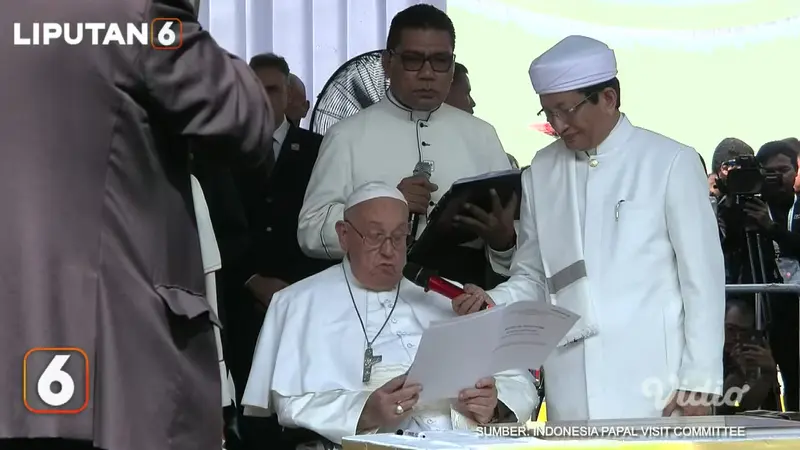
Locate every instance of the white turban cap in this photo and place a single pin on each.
(574, 63)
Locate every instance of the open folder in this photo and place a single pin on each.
(456, 353)
(439, 235)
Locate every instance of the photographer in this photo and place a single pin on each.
(726, 151)
(748, 362)
(757, 215)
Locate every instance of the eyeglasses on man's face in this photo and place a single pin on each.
(564, 115)
(415, 61)
(376, 240)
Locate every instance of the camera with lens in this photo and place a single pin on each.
(746, 178)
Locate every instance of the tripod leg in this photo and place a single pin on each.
(751, 258)
(765, 300)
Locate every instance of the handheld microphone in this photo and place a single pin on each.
(422, 169)
(430, 281)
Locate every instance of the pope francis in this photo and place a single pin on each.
(335, 347)
(616, 225)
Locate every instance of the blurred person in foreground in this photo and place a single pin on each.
(315, 364)
(749, 365)
(100, 245)
(772, 219)
(412, 124)
(298, 104)
(632, 247)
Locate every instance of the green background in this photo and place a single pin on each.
(694, 95)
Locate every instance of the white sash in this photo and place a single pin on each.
(212, 262)
(561, 240)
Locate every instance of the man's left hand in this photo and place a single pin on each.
(756, 210)
(479, 402)
(497, 227)
(689, 403)
(472, 300)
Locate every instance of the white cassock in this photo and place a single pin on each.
(212, 262)
(308, 363)
(384, 143)
(630, 243)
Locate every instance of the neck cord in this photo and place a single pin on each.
(360, 320)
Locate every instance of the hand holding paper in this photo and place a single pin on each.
(455, 353)
(479, 401)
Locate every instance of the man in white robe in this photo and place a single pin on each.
(616, 225)
(314, 363)
(410, 125)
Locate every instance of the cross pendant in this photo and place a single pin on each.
(369, 361)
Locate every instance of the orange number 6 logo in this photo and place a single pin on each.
(55, 380)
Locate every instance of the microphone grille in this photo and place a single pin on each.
(424, 168)
(417, 274)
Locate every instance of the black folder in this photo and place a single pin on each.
(440, 236)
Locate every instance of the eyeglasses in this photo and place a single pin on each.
(376, 240)
(563, 114)
(415, 61)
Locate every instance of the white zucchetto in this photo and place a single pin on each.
(372, 190)
(574, 63)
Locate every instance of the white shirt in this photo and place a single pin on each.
(279, 136)
(308, 363)
(384, 143)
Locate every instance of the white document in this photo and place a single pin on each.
(456, 353)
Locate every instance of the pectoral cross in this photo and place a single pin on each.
(369, 361)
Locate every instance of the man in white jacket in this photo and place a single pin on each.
(616, 226)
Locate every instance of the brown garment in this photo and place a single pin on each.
(98, 241)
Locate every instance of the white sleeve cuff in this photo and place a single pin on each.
(500, 260)
(517, 391)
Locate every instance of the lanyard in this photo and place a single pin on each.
(790, 225)
(790, 221)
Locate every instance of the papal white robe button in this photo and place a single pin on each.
(394, 320)
(429, 421)
(410, 345)
(593, 162)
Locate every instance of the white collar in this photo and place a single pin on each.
(618, 135)
(353, 281)
(615, 139)
(404, 111)
(280, 133)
